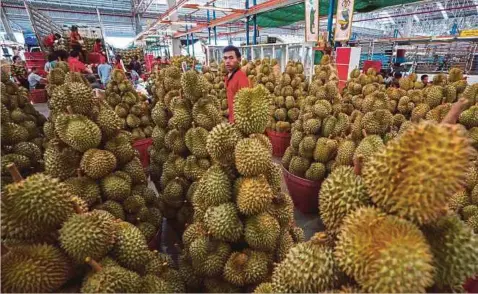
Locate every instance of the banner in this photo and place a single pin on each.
(343, 20)
(469, 33)
(311, 20)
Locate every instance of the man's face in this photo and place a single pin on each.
(231, 61)
(425, 80)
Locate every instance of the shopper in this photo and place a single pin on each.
(61, 55)
(104, 72)
(424, 79)
(49, 41)
(76, 65)
(396, 78)
(19, 72)
(76, 42)
(93, 82)
(134, 75)
(156, 66)
(35, 80)
(51, 63)
(135, 65)
(98, 46)
(119, 63)
(236, 79)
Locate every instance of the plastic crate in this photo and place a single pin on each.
(304, 193)
(38, 96)
(40, 64)
(142, 147)
(280, 142)
(34, 56)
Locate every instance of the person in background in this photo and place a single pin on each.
(119, 63)
(396, 78)
(93, 82)
(104, 72)
(6, 70)
(76, 42)
(51, 63)
(98, 46)
(157, 64)
(424, 79)
(76, 65)
(236, 79)
(388, 80)
(61, 55)
(19, 72)
(49, 41)
(135, 65)
(35, 80)
(134, 75)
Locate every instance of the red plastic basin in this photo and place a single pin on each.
(304, 193)
(471, 285)
(280, 142)
(142, 147)
(38, 96)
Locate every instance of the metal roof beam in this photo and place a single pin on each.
(263, 7)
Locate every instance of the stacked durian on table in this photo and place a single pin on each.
(22, 140)
(128, 54)
(84, 224)
(184, 115)
(242, 222)
(218, 87)
(177, 61)
(132, 108)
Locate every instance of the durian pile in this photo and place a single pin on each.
(22, 140)
(90, 152)
(184, 118)
(49, 237)
(289, 94)
(242, 222)
(265, 72)
(218, 87)
(132, 107)
(388, 228)
(128, 54)
(178, 60)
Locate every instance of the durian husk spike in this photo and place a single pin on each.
(94, 265)
(358, 163)
(455, 111)
(13, 170)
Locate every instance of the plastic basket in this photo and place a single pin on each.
(40, 64)
(280, 142)
(38, 96)
(142, 147)
(304, 193)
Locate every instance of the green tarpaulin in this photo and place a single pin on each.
(294, 13)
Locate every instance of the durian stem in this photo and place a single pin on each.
(358, 162)
(319, 238)
(77, 208)
(364, 133)
(94, 265)
(69, 109)
(79, 173)
(455, 111)
(12, 168)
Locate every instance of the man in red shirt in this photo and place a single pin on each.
(236, 79)
(76, 65)
(49, 41)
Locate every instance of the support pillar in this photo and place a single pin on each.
(330, 20)
(175, 43)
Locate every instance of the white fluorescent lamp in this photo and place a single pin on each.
(185, 23)
(416, 18)
(443, 12)
(214, 8)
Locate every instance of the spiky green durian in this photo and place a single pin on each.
(368, 147)
(130, 249)
(262, 232)
(369, 241)
(113, 207)
(209, 256)
(115, 187)
(223, 222)
(34, 269)
(251, 111)
(247, 267)
(340, 194)
(135, 170)
(37, 205)
(196, 139)
(85, 188)
(394, 177)
(90, 234)
(221, 143)
(252, 158)
(121, 147)
(13, 133)
(61, 162)
(455, 251)
(97, 163)
(107, 119)
(307, 268)
(112, 279)
(254, 195)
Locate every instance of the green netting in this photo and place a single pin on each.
(294, 13)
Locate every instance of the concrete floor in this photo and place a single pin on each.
(310, 223)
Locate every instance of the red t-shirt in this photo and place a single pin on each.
(75, 38)
(234, 83)
(49, 40)
(76, 65)
(97, 48)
